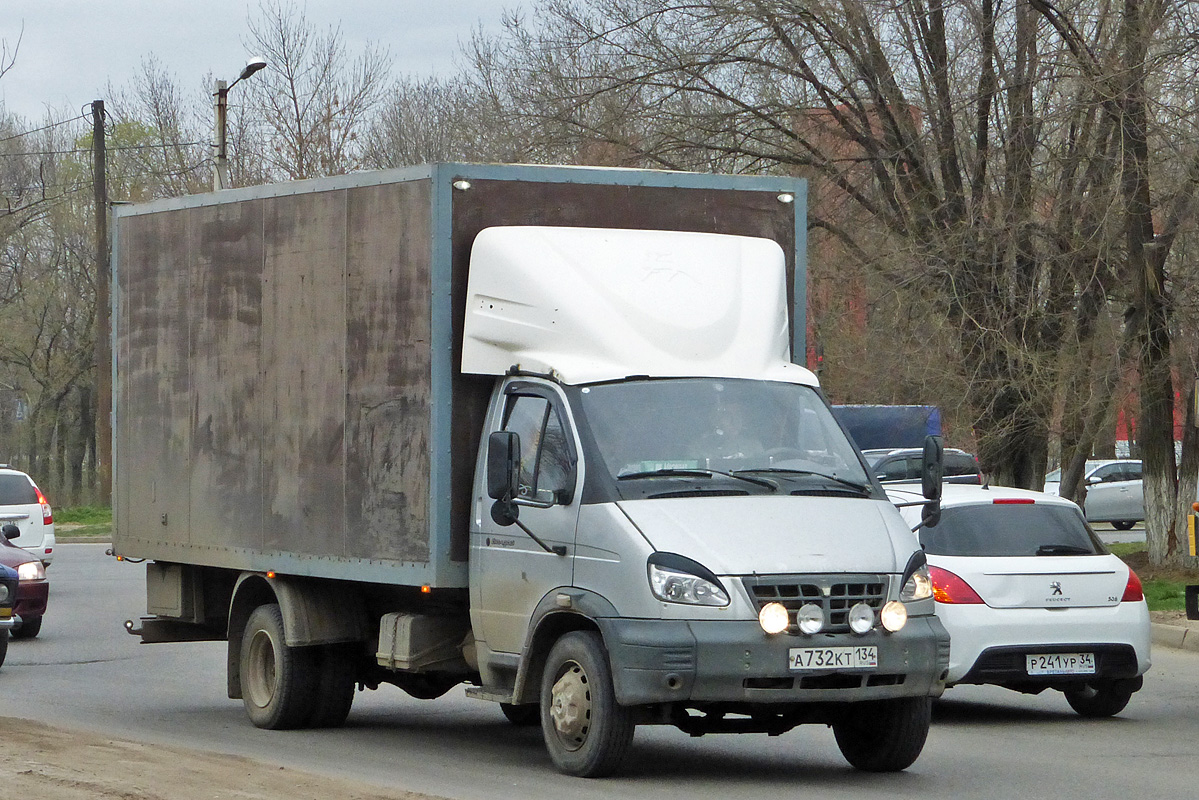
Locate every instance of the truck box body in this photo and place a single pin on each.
(286, 358)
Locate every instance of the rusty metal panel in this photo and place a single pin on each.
(227, 412)
(303, 357)
(388, 360)
(152, 431)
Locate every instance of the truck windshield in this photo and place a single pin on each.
(773, 433)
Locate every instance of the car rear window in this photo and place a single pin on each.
(1010, 530)
(15, 490)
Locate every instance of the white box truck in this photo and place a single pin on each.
(532, 429)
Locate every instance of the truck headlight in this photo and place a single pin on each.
(31, 571)
(677, 579)
(919, 586)
(894, 616)
(774, 618)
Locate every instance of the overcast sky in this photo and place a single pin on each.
(70, 49)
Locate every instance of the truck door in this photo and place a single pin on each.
(509, 572)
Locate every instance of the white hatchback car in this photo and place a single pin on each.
(24, 505)
(1032, 599)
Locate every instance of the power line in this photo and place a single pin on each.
(43, 128)
(88, 150)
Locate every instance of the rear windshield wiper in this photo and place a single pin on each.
(1064, 550)
(785, 471)
(696, 473)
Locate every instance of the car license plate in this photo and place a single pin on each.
(865, 657)
(1061, 664)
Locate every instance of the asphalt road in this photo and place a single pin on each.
(85, 672)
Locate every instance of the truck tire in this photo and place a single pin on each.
(336, 683)
(1101, 698)
(586, 733)
(30, 627)
(278, 682)
(522, 716)
(884, 735)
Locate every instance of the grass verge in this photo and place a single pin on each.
(83, 524)
(1165, 587)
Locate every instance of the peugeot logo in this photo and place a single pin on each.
(1056, 586)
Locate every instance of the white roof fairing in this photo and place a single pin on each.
(595, 304)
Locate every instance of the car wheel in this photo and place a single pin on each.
(884, 735)
(586, 733)
(30, 627)
(278, 682)
(1123, 525)
(1102, 698)
(521, 716)
(336, 685)
(3, 646)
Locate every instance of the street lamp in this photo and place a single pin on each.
(220, 171)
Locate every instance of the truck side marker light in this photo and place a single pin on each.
(786, 197)
(270, 573)
(426, 589)
(462, 186)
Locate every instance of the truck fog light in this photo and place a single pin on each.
(861, 618)
(774, 618)
(810, 618)
(894, 616)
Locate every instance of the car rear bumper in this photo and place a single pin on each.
(988, 645)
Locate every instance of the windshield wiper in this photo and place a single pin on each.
(697, 473)
(785, 471)
(1064, 550)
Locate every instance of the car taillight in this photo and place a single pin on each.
(47, 514)
(949, 588)
(1133, 592)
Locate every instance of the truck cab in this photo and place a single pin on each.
(679, 507)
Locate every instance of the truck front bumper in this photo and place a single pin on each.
(671, 661)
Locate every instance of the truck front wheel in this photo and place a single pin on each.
(586, 733)
(884, 735)
(278, 682)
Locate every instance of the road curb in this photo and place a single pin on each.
(1175, 636)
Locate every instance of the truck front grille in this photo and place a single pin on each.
(834, 594)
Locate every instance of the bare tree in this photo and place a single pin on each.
(315, 99)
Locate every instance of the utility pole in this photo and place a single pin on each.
(103, 342)
(220, 168)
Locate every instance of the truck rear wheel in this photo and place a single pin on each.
(336, 683)
(884, 735)
(278, 682)
(586, 733)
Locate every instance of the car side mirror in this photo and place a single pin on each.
(10, 531)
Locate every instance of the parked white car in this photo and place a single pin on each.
(24, 505)
(1114, 491)
(1032, 599)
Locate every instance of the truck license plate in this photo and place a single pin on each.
(865, 657)
(1060, 664)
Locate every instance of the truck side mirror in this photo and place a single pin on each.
(10, 531)
(503, 465)
(932, 468)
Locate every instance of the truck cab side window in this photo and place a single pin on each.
(545, 462)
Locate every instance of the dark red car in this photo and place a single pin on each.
(33, 589)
